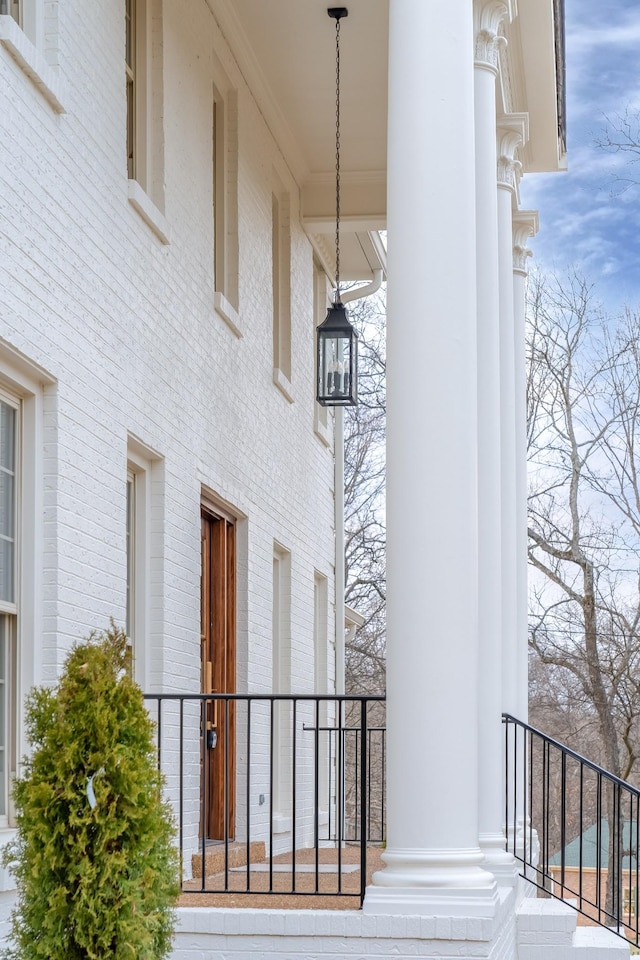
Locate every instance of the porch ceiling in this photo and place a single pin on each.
(286, 51)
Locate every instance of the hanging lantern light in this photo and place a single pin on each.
(337, 341)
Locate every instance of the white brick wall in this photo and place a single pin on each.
(288, 934)
(126, 327)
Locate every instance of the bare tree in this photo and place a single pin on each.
(584, 517)
(365, 533)
(621, 136)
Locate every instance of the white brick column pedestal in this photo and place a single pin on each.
(432, 857)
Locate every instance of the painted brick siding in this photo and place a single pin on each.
(125, 326)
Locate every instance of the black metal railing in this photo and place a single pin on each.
(574, 827)
(273, 794)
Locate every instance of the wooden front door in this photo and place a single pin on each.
(218, 649)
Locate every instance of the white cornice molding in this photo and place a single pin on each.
(525, 224)
(323, 250)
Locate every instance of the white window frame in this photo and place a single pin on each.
(29, 34)
(12, 8)
(145, 167)
(137, 563)
(144, 468)
(281, 683)
(281, 285)
(326, 710)
(225, 201)
(26, 384)
(9, 614)
(131, 550)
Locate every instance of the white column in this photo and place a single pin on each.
(432, 857)
(525, 225)
(511, 134)
(488, 16)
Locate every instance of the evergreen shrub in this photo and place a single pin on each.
(96, 869)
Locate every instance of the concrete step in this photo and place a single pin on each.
(214, 858)
(545, 920)
(547, 930)
(596, 943)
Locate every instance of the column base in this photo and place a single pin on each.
(498, 861)
(442, 884)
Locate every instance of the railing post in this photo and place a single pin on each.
(506, 721)
(364, 798)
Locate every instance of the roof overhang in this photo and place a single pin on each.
(285, 50)
(532, 74)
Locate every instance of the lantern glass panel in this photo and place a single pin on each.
(335, 369)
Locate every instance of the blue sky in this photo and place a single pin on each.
(586, 217)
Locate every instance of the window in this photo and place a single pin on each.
(281, 620)
(29, 33)
(143, 535)
(321, 686)
(131, 552)
(281, 275)
(132, 90)
(281, 683)
(320, 672)
(145, 139)
(225, 205)
(630, 901)
(12, 8)
(9, 486)
(26, 392)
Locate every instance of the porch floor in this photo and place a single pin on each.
(305, 897)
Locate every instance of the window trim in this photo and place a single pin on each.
(9, 613)
(12, 8)
(31, 386)
(281, 286)
(7, 606)
(281, 673)
(145, 176)
(30, 59)
(146, 465)
(139, 470)
(224, 128)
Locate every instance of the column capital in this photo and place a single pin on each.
(487, 18)
(525, 225)
(513, 132)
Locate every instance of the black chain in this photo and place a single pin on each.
(337, 159)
